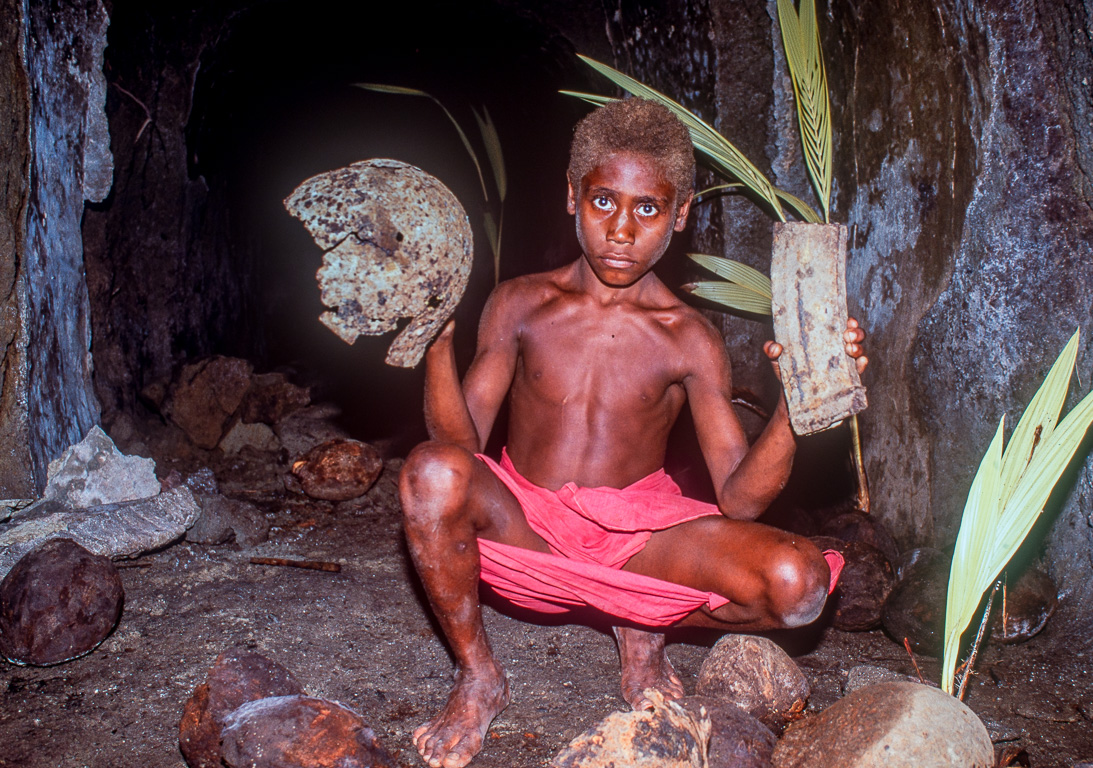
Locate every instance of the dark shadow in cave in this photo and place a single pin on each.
(273, 104)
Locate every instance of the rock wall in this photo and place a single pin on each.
(53, 101)
(16, 478)
(165, 280)
(964, 173)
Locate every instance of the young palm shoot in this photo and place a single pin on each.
(493, 153)
(1007, 495)
(801, 41)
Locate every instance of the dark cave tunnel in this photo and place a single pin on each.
(273, 103)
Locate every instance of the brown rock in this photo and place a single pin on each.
(737, 740)
(300, 732)
(858, 526)
(338, 470)
(236, 678)
(888, 724)
(915, 608)
(864, 585)
(57, 603)
(205, 396)
(756, 675)
(667, 736)
(1024, 609)
(271, 398)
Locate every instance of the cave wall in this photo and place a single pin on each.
(963, 169)
(168, 275)
(53, 91)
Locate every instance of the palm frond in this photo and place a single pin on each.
(399, 90)
(732, 295)
(705, 194)
(736, 272)
(1008, 494)
(799, 206)
(493, 150)
(801, 40)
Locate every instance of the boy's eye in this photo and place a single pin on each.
(603, 202)
(647, 209)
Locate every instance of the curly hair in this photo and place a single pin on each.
(634, 125)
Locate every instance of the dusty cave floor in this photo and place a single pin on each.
(363, 637)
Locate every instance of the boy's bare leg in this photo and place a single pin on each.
(449, 499)
(645, 665)
(773, 579)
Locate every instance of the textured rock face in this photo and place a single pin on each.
(53, 98)
(889, 724)
(964, 174)
(94, 472)
(125, 529)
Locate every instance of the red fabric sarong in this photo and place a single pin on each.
(591, 533)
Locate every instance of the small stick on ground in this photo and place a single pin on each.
(914, 661)
(314, 565)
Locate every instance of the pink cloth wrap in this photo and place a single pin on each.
(591, 533)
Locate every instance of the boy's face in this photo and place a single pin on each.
(626, 213)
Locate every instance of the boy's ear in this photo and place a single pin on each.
(684, 209)
(571, 197)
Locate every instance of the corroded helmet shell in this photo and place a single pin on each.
(397, 245)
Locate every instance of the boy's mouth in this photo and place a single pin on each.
(617, 262)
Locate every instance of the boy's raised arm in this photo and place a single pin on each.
(746, 480)
(464, 415)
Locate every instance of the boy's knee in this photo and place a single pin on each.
(798, 576)
(434, 476)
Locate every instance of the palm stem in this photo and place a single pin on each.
(864, 504)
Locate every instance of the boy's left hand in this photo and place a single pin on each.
(854, 343)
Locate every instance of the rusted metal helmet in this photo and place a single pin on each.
(397, 245)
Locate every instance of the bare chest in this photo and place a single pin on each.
(624, 367)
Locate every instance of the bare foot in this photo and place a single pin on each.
(455, 736)
(645, 665)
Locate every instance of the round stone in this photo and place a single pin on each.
(338, 470)
(299, 732)
(57, 603)
(756, 675)
(236, 677)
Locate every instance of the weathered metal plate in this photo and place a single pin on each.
(808, 282)
(398, 245)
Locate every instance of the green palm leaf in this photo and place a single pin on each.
(801, 40)
(1007, 496)
(736, 272)
(401, 91)
(493, 150)
(747, 289)
(732, 295)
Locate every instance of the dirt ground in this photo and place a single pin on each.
(363, 637)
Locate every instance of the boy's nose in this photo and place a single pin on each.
(620, 229)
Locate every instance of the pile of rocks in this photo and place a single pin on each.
(749, 690)
(251, 712)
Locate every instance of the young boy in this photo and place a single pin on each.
(598, 358)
